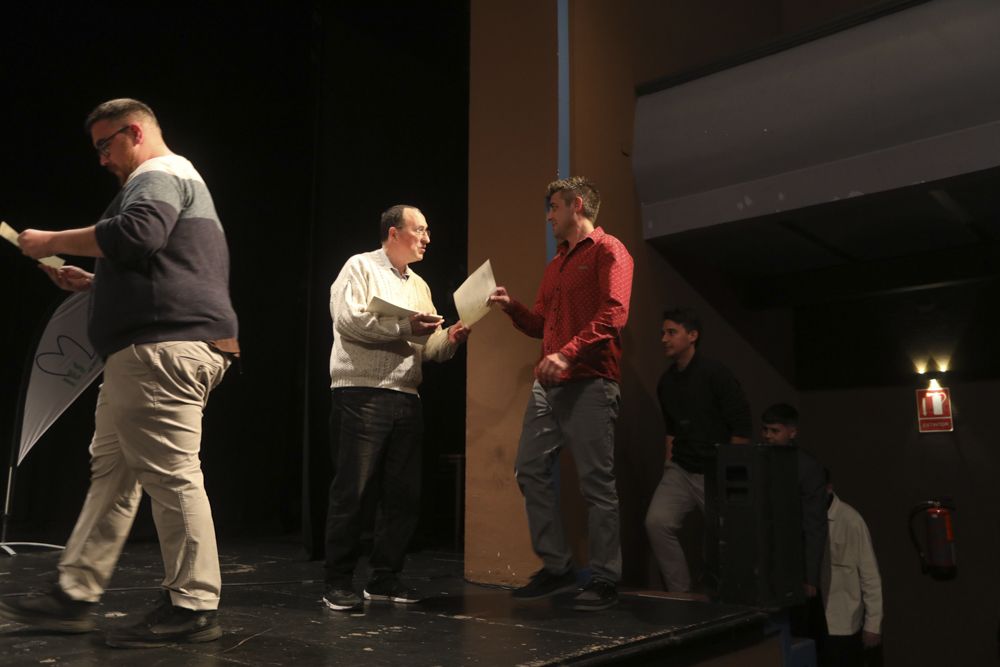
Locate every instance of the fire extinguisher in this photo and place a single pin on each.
(938, 558)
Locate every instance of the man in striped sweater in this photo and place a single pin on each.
(161, 317)
(377, 420)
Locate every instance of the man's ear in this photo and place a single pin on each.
(137, 133)
(578, 204)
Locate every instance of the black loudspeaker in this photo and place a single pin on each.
(754, 516)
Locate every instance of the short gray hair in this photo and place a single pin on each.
(119, 109)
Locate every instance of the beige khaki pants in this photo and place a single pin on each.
(147, 435)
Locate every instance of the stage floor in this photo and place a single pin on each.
(272, 615)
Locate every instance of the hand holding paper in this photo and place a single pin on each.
(458, 333)
(30, 247)
(424, 324)
(419, 322)
(501, 298)
(69, 278)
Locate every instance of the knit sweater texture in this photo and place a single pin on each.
(371, 350)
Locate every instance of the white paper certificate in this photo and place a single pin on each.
(8, 233)
(383, 308)
(386, 309)
(472, 297)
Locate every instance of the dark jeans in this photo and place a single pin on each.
(809, 620)
(842, 651)
(377, 449)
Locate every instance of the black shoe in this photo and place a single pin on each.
(544, 583)
(53, 611)
(166, 625)
(392, 589)
(595, 596)
(342, 598)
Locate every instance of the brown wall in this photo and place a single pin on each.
(883, 467)
(513, 151)
(607, 62)
(867, 437)
(512, 155)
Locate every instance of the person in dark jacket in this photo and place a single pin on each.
(703, 405)
(780, 426)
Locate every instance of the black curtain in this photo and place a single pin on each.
(306, 121)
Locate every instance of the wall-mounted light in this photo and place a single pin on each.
(938, 363)
(942, 363)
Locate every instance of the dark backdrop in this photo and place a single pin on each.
(306, 120)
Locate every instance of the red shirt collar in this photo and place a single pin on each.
(594, 236)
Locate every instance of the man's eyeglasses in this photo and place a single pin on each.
(103, 146)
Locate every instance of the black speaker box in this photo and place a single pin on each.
(754, 517)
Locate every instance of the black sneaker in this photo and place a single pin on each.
(392, 589)
(166, 625)
(54, 611)
(544, 584)
(342, 598)
(596, 595)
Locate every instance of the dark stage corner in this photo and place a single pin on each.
(292, 113)
(306, 119)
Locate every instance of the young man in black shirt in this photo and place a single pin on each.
(703, 405)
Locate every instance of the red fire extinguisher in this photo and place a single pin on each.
(938, 558)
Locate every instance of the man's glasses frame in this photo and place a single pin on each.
(103, 146)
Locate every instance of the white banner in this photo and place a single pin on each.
(65, 364)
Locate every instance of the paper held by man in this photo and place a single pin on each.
(471, 300)
(382, 308)
(10, 234)
(472, 297)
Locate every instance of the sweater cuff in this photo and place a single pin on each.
(404, 327)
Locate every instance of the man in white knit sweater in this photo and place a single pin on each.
(377, 420)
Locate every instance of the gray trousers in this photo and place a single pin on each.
(580, 415)
(677, 495)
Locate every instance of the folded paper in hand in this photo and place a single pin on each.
(383, 308)
(10, 234)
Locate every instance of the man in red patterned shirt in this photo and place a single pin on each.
(581, 309)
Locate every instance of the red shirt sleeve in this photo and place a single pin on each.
(531, 322)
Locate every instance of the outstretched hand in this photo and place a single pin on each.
(69, 278)
(501, 298)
